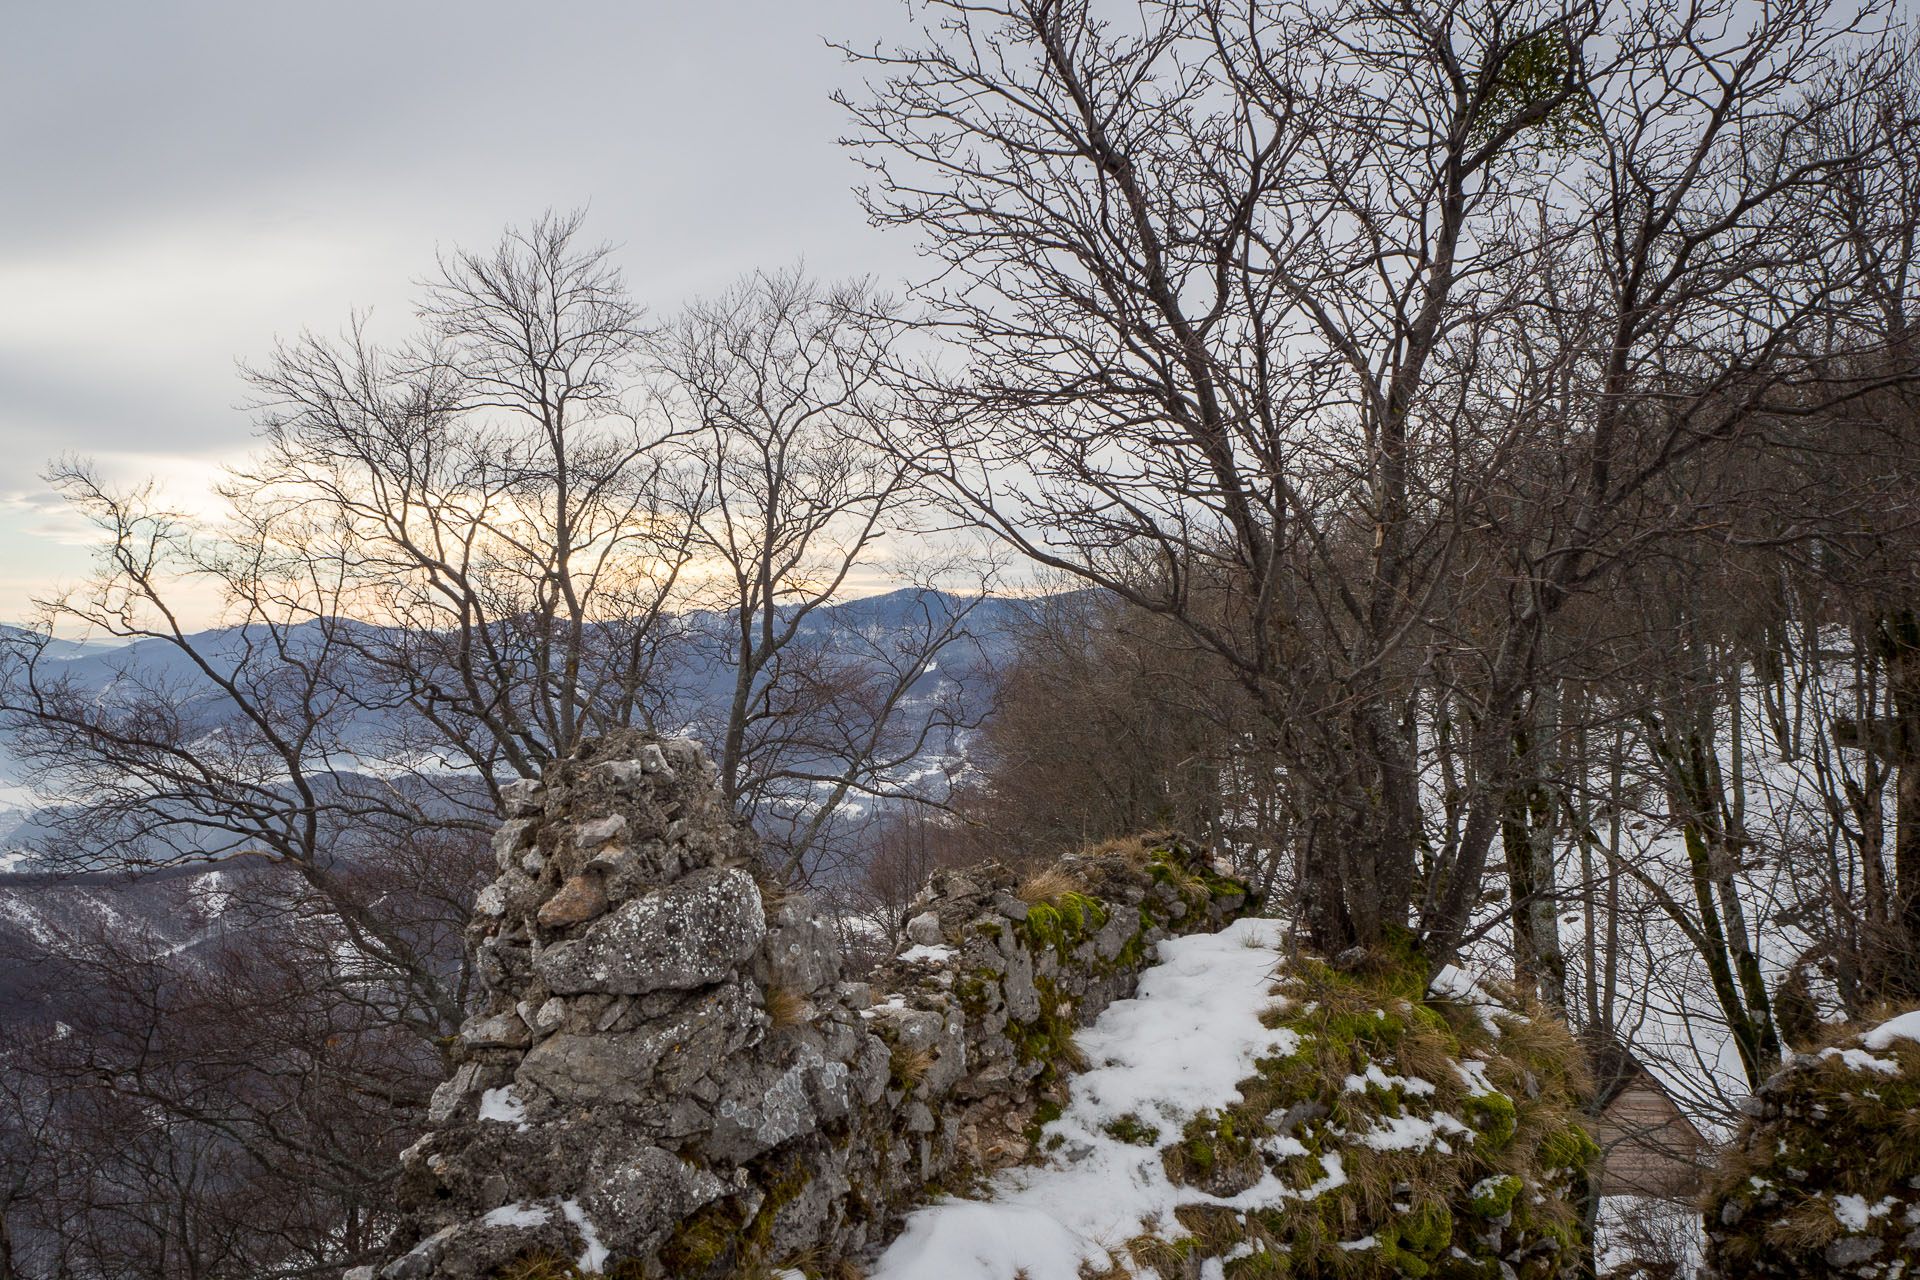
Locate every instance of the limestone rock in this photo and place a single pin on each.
(924, 929)
(580, 899)
(671, 1074)
(637, 1066)
(689, 934)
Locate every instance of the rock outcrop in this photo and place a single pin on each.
(670, 1076)
(1824, 1177)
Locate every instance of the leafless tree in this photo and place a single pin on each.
(492, 497)
(1301, 306)
(779, 384)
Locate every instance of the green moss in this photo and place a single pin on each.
(975, 991)
(1493, 1117)
(1043, 1115)
(1493, 1197)
(1304, 1110)
(1568, 1147)
(703, 1240)
(1129, 1128)
(1043, 925)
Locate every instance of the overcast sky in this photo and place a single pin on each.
(186, 181)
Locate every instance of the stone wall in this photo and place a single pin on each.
(1823, 1179)
(670, 1076)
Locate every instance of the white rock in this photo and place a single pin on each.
(924, 929)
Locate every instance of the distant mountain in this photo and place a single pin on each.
(865, 627)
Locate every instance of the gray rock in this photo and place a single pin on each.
(509, 840)
(1849, 1251)
(1023, 1000)
(521, 797)
(592, 834)
(448, 1096)
(502, 1031)
(761, 1111)
(689, 934)
(651, 1079)
(634, 1198)
(552, 1011)
(641, 1066)
(800, 953)
(1117, 932)
(419, 1262)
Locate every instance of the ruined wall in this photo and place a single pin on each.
(671, 1078)
(1823, 1180)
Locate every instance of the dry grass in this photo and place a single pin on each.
(1046, 885)
(541, 1265)
(910, 1066)
(1810, 1226)
(1217, 1229)
(1157, 1256)
(787, 1007)
(1135, 851)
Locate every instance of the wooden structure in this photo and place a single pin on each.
(1648, 1146)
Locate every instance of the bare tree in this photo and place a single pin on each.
(493, 499)
(1237, 286)
(779, 384)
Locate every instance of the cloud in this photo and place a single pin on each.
(188, 181)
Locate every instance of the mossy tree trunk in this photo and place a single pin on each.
(1717, 925)
(1529, 824)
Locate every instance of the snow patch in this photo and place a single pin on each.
(1861, 1060)
(1181, 1045)
(1904, 1027)
(518, 1215)
(595, 1255)
(504, 1105)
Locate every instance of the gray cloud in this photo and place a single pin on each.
(185, 181)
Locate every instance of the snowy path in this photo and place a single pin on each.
(1187, 1038)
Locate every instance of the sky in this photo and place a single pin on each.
(184, 182)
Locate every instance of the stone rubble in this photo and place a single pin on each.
(1822, 1180)
(670, 1077)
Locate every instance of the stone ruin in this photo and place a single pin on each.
(670, 1076)
(1822, 1181)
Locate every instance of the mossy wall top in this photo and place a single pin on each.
(671, 1078)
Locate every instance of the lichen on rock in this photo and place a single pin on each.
(669, 1076)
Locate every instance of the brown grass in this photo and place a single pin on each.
(1159, 1257)
(910, 1066)
(1810, 1225)
(1046, 885)
(543, 1264)
(787, 1007)
(1216, 1228)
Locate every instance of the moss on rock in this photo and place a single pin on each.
(1413, 1137)
(1821, 1181)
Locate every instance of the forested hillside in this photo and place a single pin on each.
(1459, 464)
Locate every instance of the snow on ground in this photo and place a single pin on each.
(1654, 1233)
(1904, 1027)
(1181, 1045)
